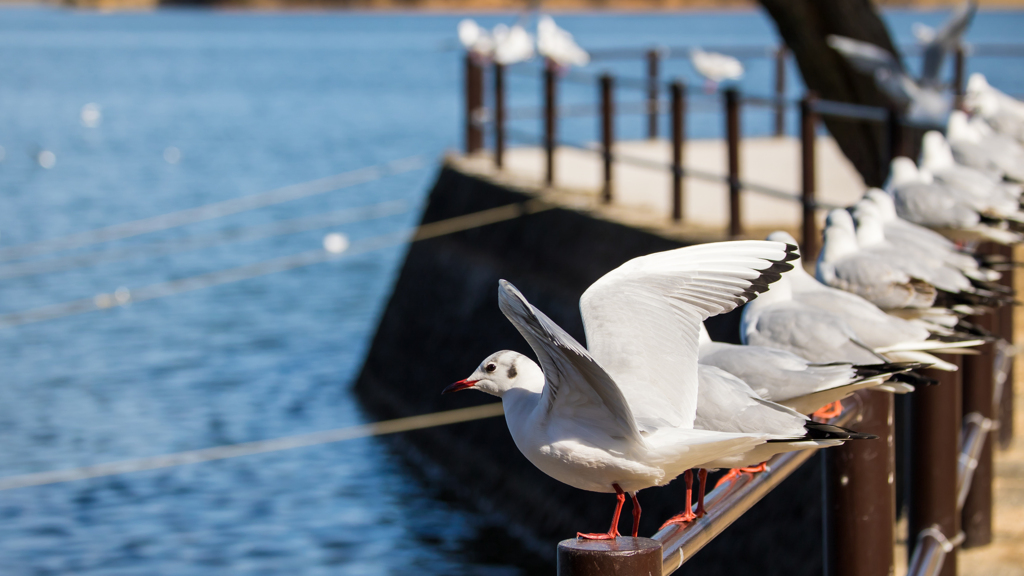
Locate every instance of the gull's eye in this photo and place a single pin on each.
(491, 367)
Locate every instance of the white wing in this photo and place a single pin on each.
(643, 318)
(573, 379)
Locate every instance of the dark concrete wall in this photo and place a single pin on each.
(442, 320)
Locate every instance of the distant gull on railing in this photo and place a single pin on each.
(558, 45)
(715, 68)
(1004, 113)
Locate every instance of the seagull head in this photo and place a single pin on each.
(885, 204)
(501, 372)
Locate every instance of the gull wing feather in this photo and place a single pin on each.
(643, 319)
(864, 57)
(944, 40)
(573, 379)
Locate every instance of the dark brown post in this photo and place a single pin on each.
(979, 388)
(652, 93)
(550, 121)
(808, 126)
(624, 555)
(935, 413)
(499, 115)
(780, 90)
(1005, 323)
(894, 134)
(958, 76)
(860, 495)
(732, 129)
(474, 103)
(607, 134)
(678, 140)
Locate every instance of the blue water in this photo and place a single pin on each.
(253, 102)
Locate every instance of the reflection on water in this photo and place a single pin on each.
(110, 118)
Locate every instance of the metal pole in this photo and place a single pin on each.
(934, 439)
(808, 125)
(607, 134)
(860, 495)
(780, 90)
(549, 121)
(474, 102)
(624, 555)
(678, 140)
(499, 115)
(958, 76)
(978, 396)
(1005, 322)
(652, 93)
(732, 128)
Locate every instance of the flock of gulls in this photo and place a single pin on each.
(508, 45)
(652, 397)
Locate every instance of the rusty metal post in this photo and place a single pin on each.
(607, 133)
(550, 121)
(499, 115)
(958, 76)
(652, 93)
(474, 103)
(624, 555)
(1005, 322)
(860, 495)
(780, 90)
(935, 413)
(732, 129)
(678, 91)
(808, 130)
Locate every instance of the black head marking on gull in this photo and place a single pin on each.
(512, 370)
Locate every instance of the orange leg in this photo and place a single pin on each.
(702, 474)
(829, 411)
(613, 532)
(687, 514)
(636, 513)
(735, 473)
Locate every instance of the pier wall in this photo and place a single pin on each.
(442, 320)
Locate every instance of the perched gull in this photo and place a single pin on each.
(991, 152)
(994, 196)
(923, 103)
(475, 39)
(715, 68)
(787, 379)
(921, 200)
(558, 46)
(1003, 112)
(938, 42)
(512, 45)
(619, 417)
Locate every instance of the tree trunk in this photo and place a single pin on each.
(805, 25)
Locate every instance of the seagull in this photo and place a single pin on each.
(1004, 113)
(921, 200)
(1000, 199)
(558, 46)
(715, 68)
(923, 102)
(980, 147)
(791, 381)
(512, 45)
(938, 42)
(476, 40)
(619, 417)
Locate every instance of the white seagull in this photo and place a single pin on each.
(512, 45)
(475, 39)
(993, 196)
(558, 46)
(975, 144)
(715, 68)
(1003, 112)
(619, 417)
(938, 42)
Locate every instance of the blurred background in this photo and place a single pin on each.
(112, 117)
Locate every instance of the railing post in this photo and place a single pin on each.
(474, 103)
(732, 129)
(780, 90)
(652, 93)
(979, 397)
(958, 76)
(808, 129)
(550, 121)
(935, 413)
(1005, 323)
(499, 115)
(624, 555)
(860, 495)
(678, 140)
(607, 133)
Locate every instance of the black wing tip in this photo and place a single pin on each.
(914, 379)
(822, 431)
(866, 371)
(772, 273)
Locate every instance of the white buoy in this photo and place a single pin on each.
(91, 115)
(335, 243)
(46, 159)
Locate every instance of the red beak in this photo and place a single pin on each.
(460, 385)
